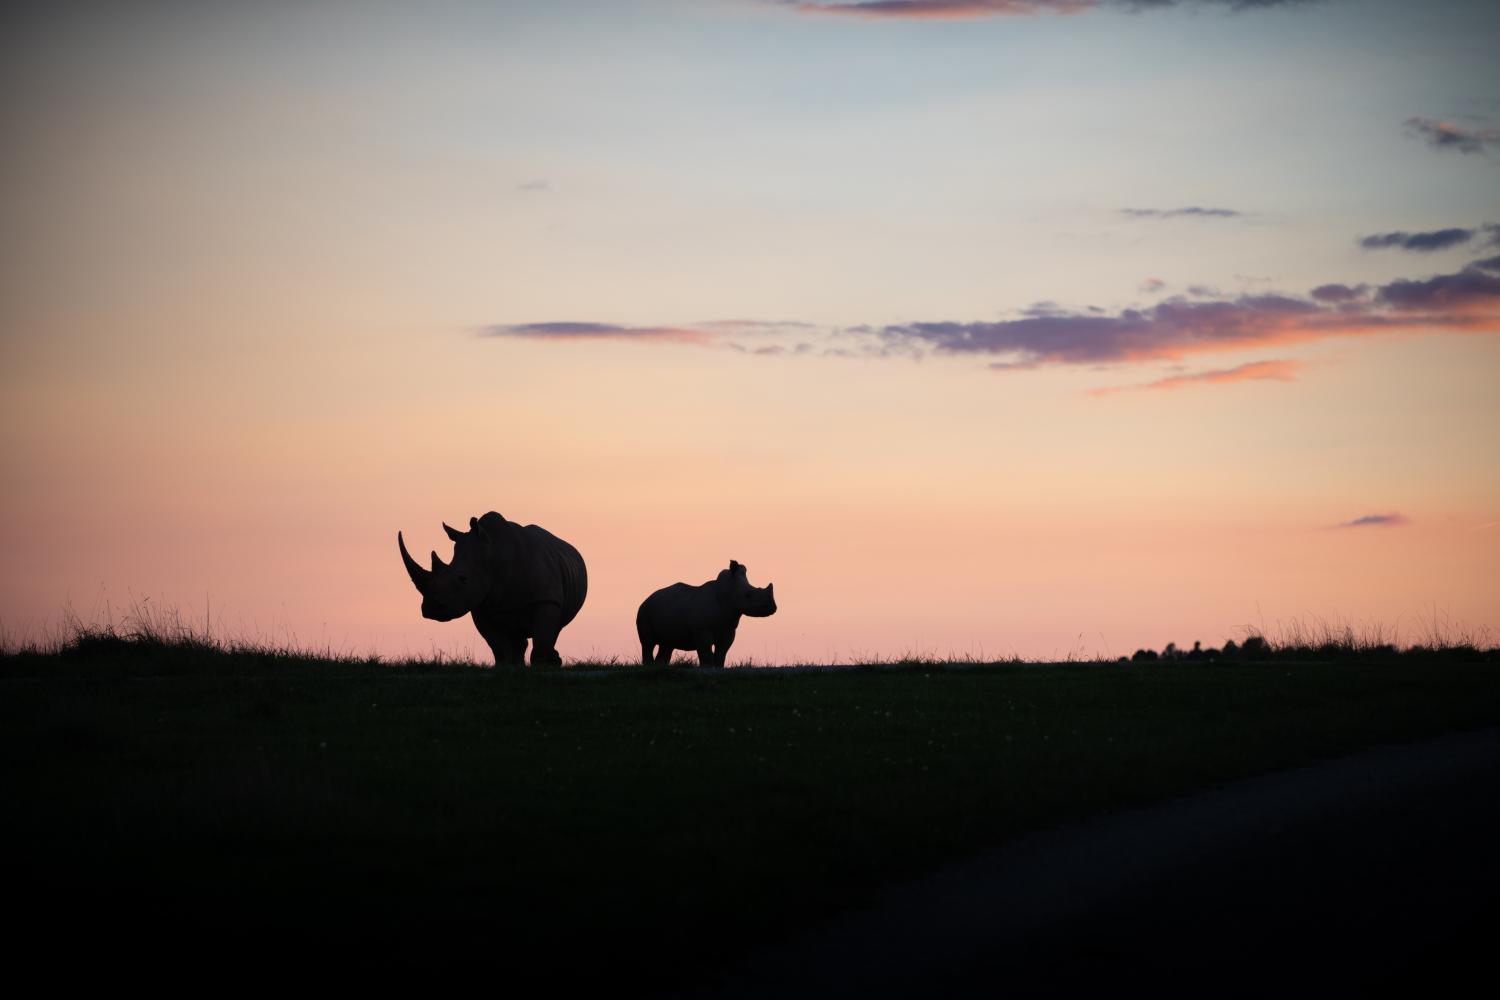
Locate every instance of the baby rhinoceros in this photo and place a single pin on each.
(700, 619)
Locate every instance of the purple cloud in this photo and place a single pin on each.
(1339, 294)
(1446, 135)
(967, 9)
(1469, 289)
(1049, 334)
(1377, 521)
(1438, 239)
(567, 330)
(1191, 211)
(1488, 264)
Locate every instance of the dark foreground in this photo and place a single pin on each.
(193, 816)
(1371, 874)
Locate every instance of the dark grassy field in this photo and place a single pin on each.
(176, 808)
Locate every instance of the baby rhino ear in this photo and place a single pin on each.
(735, 569)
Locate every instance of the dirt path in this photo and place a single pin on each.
(1371, 873)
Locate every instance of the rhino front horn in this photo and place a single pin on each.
(417, 573)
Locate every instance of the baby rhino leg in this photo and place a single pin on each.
(722, 642)
(705, 642)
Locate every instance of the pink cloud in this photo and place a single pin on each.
(1279, 371)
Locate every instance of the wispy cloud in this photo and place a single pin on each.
(566, 330)
(1047, 334)
(1190, 212)
(1437, 239)
(537, 186)
(969, 9)
(1152, 285)
(935, 9)
(1446, 135)
(1491, 264)
(1275, 370)
(1376, 521)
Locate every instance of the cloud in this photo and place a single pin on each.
(1191, 211)
(951, 10)
(935, 9)
(1376, 521)
(1152, 285)
(563, 331)
(1438, 239)
(539, 185)
(1468, 300)
(1488, 264)
(1047, 334)
(1275, 370)
(1340, 293)
(1470, 290)
(1446, 135)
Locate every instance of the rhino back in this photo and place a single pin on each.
(543, 568)
(676, 613)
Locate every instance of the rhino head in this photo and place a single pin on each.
(755, 602)
(453, 589)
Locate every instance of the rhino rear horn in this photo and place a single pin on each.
(453, 533)
(419, 576)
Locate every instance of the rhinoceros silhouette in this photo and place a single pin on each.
(517, 582)
(701, 619)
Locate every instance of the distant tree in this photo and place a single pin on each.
(1231, 649)
(1144, 656)
(1256, 647)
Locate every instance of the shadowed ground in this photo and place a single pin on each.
(191, 814)
(1375, 872)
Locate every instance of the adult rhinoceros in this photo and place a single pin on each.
(518, 582)
(702, 619)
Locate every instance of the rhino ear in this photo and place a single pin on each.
(473, 523)
(453, 533)
(735, 569)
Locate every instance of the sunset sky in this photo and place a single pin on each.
(979, 328)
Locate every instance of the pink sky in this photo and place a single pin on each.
(277, 286)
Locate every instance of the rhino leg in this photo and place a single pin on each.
(664, 655)
(513, 650)
(722, 642)
(546, 623)
(508, 647)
